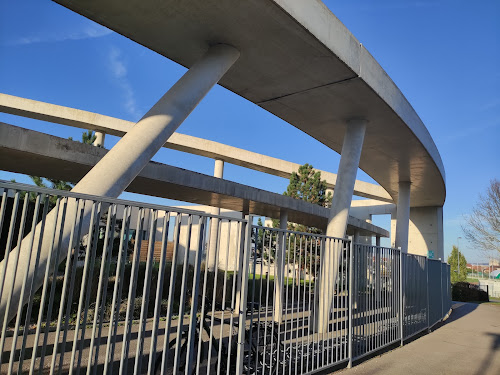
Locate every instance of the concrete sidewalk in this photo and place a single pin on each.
(467, 343)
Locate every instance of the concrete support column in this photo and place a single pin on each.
(125, 160)
(214, 224)
(99, 139)
(339, 214)
(357, 236)
(403, 216)
(377, 241)
(116, 170)
(367, 239)
(280, 268)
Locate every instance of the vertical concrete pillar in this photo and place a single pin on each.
(403, 216)
(99, 139)
(377, 241)
(357, 236)
(367, 239)
(116, 170)
(214, 223)
(280, 268)
(339, 213)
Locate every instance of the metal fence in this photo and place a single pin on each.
(492, 287)
(97, 285)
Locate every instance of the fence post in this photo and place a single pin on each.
(442, 290)
(243, 296)
(401, 295)
(427, 287)
(351, 289)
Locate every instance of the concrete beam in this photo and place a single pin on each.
(104, 124)
(30, 152)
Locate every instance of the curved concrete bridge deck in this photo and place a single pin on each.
(299, 62)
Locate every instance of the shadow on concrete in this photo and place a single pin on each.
(460, 310)
(495, 347)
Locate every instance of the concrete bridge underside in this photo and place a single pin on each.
(299, 62)
(34, 153)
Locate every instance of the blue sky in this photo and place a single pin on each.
(443, 55)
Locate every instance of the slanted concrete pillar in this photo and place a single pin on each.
(116, 170)
(99, 139)
(280, 268)
(339, 213)
(403, 216)
(214, 224)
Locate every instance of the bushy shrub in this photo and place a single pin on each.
(466, 292)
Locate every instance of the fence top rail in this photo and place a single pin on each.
(63, 193)
(346, 240)
(437, 260)
(378, 247)
(415, 256)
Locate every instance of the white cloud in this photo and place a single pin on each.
(90, 32)
(119, 72)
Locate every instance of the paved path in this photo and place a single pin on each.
(467, 343)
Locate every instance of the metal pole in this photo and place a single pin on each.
(243, 296)
(458, 260)
(401, 295)
(351, 290)
(427, 287)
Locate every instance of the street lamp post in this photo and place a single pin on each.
(458, 260)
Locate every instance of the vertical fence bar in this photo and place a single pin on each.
(16, 260)
(194, 294)
(243, 296)
(171, 291)
(117, 290)
(350, 313)
(24, 286)
(401, 296)
(129, 315)
(153, 217)
(184, 282)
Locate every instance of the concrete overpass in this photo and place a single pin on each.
(34, 153)
(110, 125)
(425, 227)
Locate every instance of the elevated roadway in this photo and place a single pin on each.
(299, 62)
(109, 125)
(34, 153)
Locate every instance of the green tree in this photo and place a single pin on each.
(88, 137)
(457, 275)
(306, 185)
